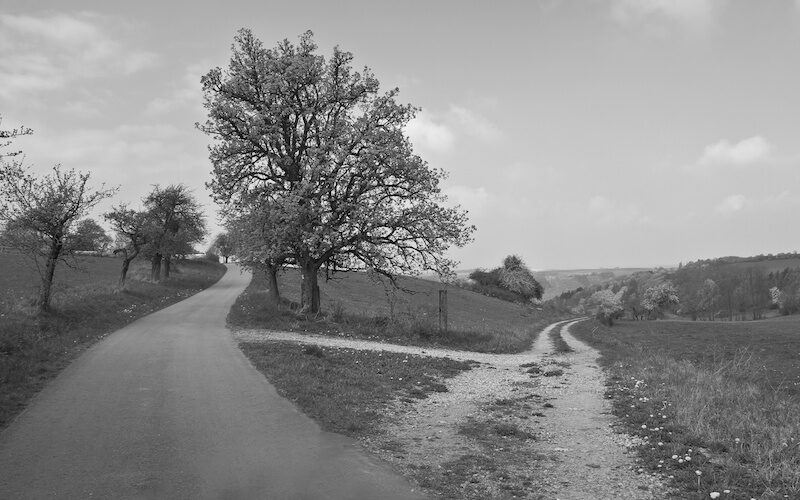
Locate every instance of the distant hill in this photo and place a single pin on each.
(558, 281)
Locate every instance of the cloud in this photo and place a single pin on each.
(745, 152)
(609, 213)
(693, 14)
(732, 204)
(48, 52)
(472, 199)
(781, 202)
(425, 132)
(474, 124)
(186, 92)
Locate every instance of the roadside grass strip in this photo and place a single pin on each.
(34, 349)
(716, 428)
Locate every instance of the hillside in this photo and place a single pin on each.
(357, 294)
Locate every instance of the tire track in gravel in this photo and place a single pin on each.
(588, 459)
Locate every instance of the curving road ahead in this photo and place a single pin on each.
(168, 407)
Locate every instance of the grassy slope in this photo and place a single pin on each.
(725, 394)
(354, 305)
(33, 350)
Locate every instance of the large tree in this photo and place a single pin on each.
(176, 224)
(321, 140)
(40, 215)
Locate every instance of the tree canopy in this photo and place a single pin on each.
(317, 140)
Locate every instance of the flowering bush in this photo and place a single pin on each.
(608, 305)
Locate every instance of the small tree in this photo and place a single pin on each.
(260, 234)
(656, 298)
(222, 246)
(515, 276)
(608, 305)
(133, 228)
(40, 215)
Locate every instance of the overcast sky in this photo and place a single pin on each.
(593, 133)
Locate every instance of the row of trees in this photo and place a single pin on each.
(44, 217)
(311, 167)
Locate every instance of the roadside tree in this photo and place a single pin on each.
(133, 228)
(319, 138)
(40, 215)
(176, 223)
(222, 246)
(261, 236)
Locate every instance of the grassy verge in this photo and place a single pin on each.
(34, 349)
(347, 390)
(356, 309)
(716, 404)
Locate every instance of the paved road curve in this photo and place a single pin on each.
(168, 407)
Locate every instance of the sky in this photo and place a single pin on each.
(578, 134)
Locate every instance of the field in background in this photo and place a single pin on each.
(354, 305)
(726, 395)
(85, 308)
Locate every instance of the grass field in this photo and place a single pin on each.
(725, 395)
(33, 349)
(354, 305)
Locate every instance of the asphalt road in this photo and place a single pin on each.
(168, 407)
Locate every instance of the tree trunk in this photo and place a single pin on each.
(309, 297)
(272, 282)
(167, 265)
(155, 268)
(226, 259)
(47, 279)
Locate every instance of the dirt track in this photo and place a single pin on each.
(577, 453)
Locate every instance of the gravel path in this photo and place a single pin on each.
(588, 459)
(576, 455)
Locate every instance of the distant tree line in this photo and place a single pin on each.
(717, 289)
